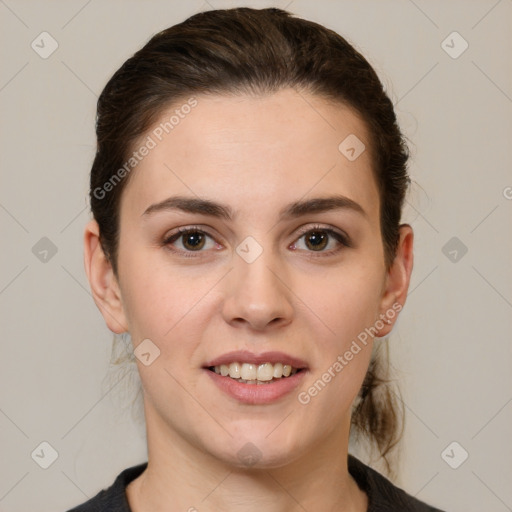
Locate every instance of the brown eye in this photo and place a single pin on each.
(321, 240)
(316, 240)
(190, 240)
(193, 241)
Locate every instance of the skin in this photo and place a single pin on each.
(255, 155)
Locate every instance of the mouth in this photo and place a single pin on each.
(248, 373)
(256, 378)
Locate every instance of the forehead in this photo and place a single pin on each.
(254, 151)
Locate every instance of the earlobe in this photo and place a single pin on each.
(102, 281)
(397, 280)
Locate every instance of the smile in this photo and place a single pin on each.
(247, 373)
(256, 379)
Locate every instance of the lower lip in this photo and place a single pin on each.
(256, 394)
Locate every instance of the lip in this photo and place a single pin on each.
(244, 356)
(256, 394)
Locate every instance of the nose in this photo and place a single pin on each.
(257, 294)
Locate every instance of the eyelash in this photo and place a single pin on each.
(342, 239)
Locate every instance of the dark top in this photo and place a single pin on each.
(383, 496)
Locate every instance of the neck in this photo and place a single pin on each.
(181, 477)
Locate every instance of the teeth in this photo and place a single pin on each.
(265, 372)
(248, 373)
(278, 371)
(234, 370)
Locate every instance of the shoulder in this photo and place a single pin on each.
(112, 499)
(383, 496)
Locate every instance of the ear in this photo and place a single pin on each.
(104, 286)
(397, 280)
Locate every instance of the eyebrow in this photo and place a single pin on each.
(293, 210)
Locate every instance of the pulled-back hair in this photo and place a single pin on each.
(257, 52)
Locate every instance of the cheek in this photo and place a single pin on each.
(345, 304)
(156, 305)
(348, 309)
(148, 294)
(168, 305)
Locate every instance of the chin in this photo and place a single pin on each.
(260, 451)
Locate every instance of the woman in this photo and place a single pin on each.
(247, 192)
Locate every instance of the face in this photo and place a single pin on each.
(249, 244)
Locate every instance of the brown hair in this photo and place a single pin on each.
(254, 51)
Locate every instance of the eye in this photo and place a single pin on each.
(190, 240)
(320, 239)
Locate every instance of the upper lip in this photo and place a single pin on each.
(244, 356)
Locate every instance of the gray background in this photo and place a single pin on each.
(452, 344)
